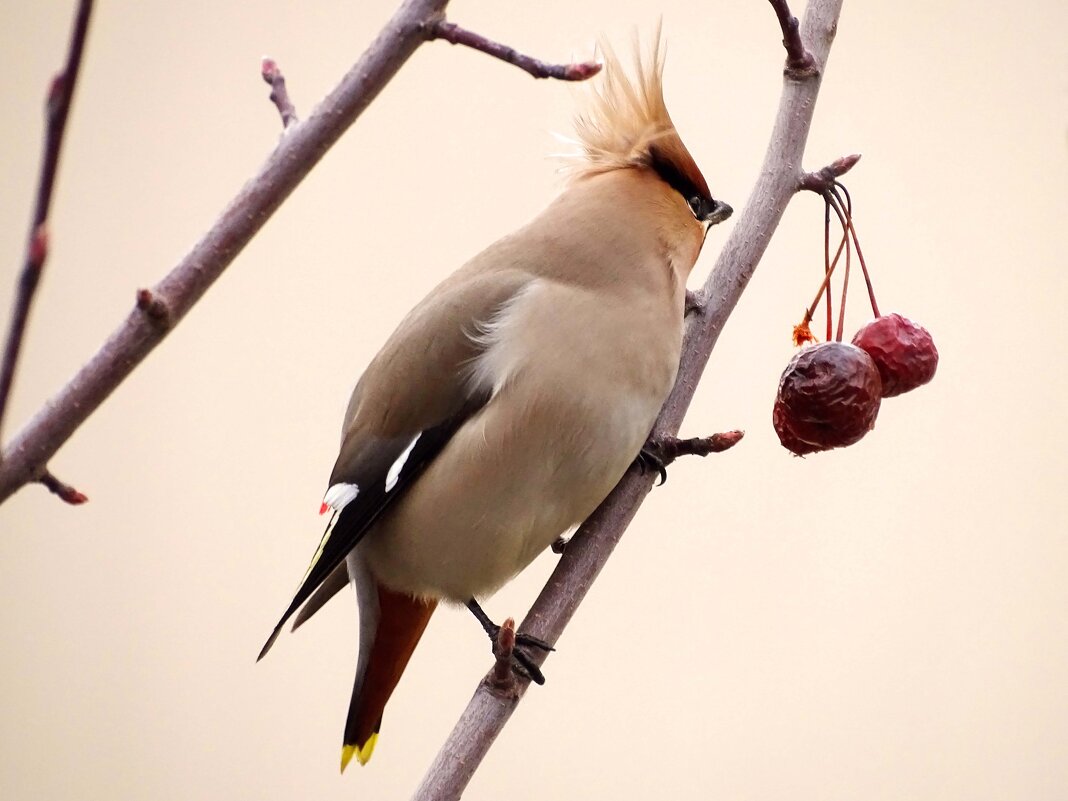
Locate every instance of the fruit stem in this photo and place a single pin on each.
(826, 280)
(827, 257)
(860, 254)
(835, 200)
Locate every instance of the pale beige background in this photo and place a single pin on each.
(885, 622)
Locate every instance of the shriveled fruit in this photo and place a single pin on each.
(903, 351)
(828, 397)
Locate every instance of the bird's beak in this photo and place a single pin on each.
(717, 213)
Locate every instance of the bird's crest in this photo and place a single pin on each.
(624, 121)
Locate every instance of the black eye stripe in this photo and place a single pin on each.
(673, 178)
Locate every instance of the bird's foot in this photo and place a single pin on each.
(521, 662)
(650, 459)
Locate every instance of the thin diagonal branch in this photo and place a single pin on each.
(299, 151)
(272, 74)
(588, 551)
(58, 104)
(454, 34)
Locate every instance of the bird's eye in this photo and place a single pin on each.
(695, 205)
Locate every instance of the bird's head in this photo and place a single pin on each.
(625, 124)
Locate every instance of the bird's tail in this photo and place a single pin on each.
(401, 622)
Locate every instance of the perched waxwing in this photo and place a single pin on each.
(510, 401)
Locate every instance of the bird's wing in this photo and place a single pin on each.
(412, 398)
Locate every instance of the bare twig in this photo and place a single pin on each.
(272, 74)
(799, 62)
(66, 492)
(502, 678)
(58, 104)
(823, 180)
(454, 34)
(293, 158)
(668, 449)
(588, 551)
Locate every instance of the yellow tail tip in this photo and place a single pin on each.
(362, 754)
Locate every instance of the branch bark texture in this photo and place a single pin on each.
(780, 178)
(298, 152)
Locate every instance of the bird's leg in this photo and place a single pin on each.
(523, 663)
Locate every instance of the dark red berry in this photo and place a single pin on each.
(902, 350)
(828, 397)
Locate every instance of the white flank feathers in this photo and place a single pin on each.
(393, 476)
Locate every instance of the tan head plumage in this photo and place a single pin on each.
(623, 115)
(624, 123)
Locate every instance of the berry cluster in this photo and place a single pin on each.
(830, 393)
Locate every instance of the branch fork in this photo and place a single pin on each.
(799, 62)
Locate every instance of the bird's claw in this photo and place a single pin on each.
(522, 664)
(649, 460)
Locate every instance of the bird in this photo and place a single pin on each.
(510, 401)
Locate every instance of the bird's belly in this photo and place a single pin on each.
(496, 497)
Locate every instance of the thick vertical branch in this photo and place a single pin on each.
(57, 106)
(586, 553)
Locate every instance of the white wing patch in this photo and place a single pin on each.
(393, 476)
(338, 497)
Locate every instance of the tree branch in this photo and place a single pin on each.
(799, 62)
(586, 553)
(58, 104)
(272, 74)
(66, 492)
(294, 157)
(454, 34)
(822, 180)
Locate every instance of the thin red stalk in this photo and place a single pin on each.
(827, 258)
(823, 286)
(845, 291)
(834, 201)
(860, 253)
